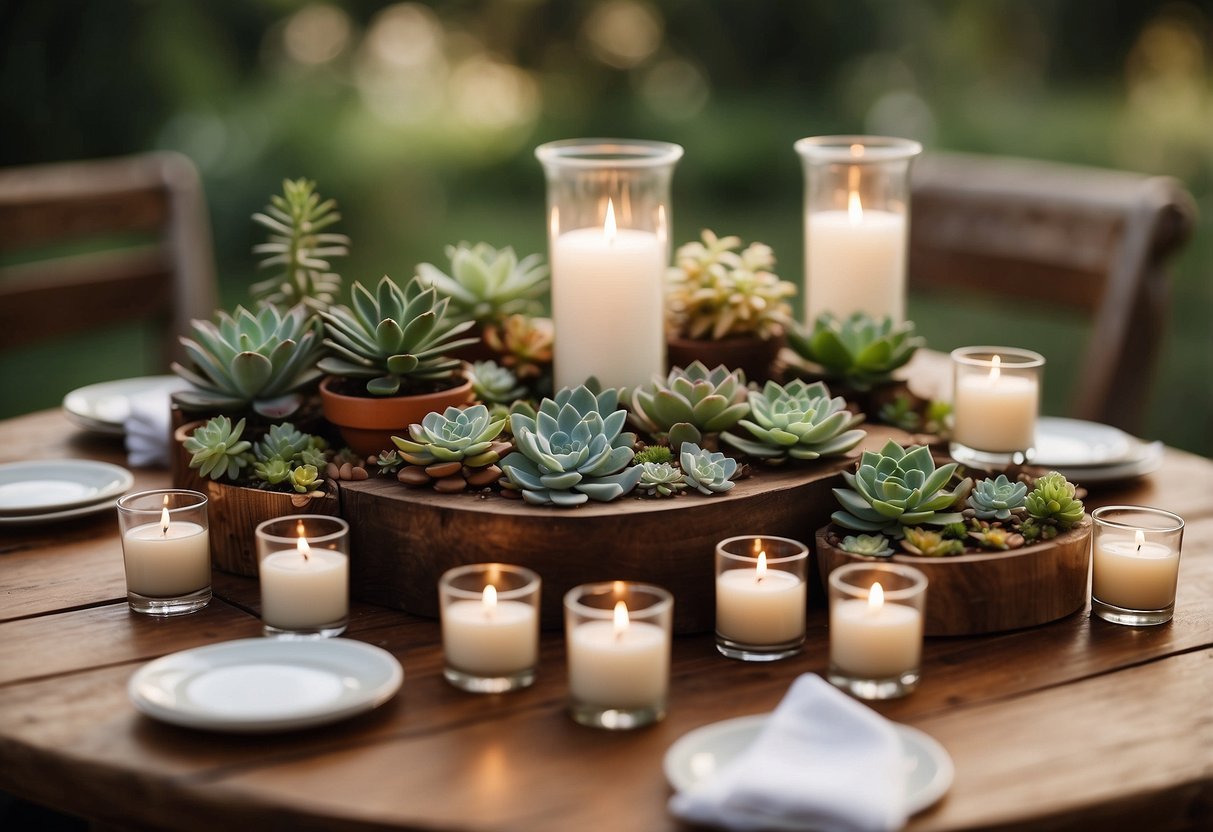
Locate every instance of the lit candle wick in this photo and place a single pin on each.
(303, 548)
(995, 368)
(608, 225)
(621, 620)
(1140, 539)
(854, 208)
(875, 598)
(489, 600)
(164, 520)
(761, 570)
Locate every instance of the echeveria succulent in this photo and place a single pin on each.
(306, 478)
(487, 284)
(217, 449)
(660, 479)
(494, 384)
(708, 472)
(699, 400)
(995, 499)
(930, 544)
(799, 420)
(860, 350)
(872, 545)
(283, 441)
(455, 435)
(1052, 500)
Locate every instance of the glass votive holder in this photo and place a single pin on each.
(876, 615)
(617, 634)
(166, 551)
(490, 626)
(856, 217)
(996, 399)
(304, 565)
(1135, 564)
(760, 597)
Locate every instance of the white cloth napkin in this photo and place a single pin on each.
(823, 761)
(148, 435)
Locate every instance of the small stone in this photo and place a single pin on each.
(358, 473)
(450, 485)
(346, 471)
(482, 476)
(332, 471)
(413, 476)
(439, 470)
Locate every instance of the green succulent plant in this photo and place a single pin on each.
(494, 384)
(800, 421)
(895, 488)
(714, 290)
(306, 478)
(926, 543)
(872, 545)
(660, 479)
(388, 462)
(246, 361)
(654, 453)
(900, 413)
(708, 472)
(995, 499)
(997, 538)
(299, 248)
(1052, 501)
(272, 471)
(282, 441)
(392, 336)
(452, 449)
(573, 450)
(486, 283)
(689, 403)
(217, 449)
(860, 350)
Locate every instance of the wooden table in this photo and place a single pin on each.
(1077, 724)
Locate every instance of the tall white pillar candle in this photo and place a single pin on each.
(855, 261)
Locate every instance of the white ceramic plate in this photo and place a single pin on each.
(57, 516)
(1149, 458)
(1062, 443)
(55, 485)
(103, 408)
(697, 754)
(260, 685)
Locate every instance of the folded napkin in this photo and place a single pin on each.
(148, 435)
(823, 761)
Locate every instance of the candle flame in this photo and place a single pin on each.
(995, 368)
(761, 569)
(621, 619)
(608, 225)
(875, 598)
(855, 208)
(303, 548)
(1139, 537)
(164, 520)
(489, 599)
(857, 150)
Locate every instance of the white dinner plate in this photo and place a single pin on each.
(1148, 458)
(43, 486)
(1062, 443)
(103, 408)
(260, 685)
(699, 753)
(57, 516)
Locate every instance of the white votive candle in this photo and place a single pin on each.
(855, 261)
(759, 607)
(619, 665)
(303, 588)
(996, 411)
(167, 559)
(873, 640)
(490, 637)
(1134, 573)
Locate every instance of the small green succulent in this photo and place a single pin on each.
(926, 543)
(995, 499)
(708, 472)
(494, 384)
(800, 421)
(859, 350)
(312, 455)
(900, 413)
(387, 462)
(455, 435)
(997, 538)
(487, 284)
(282, 441)
(306, 478)
(895, 488)
(392, 336)
(660, 479)
(872, 545)
(654, 453)
(272, 471)
(1052, 501)
(689, 403)
(217, 449)
(298, 248)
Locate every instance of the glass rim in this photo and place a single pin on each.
(1177, 522)
(594, 153)
(917, 576)
(1023, 359)
(341, 530)
(876, 149)
(664, 600)
(801, 554)
(200, 500)
(532, 585)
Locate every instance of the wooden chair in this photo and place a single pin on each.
(85, 245)
(1089, 239)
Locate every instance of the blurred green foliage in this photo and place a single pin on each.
(420, 118)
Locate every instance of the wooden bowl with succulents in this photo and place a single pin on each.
(998, 554)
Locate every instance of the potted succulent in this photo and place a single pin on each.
(691, 405)
(724, 306)
(796, 421)
(390, 362)
(998, 553)
(251, 481)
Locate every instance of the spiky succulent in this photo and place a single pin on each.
(696, 401)
(872, 545)
(524, 342)
(217, 449)
(995, 499)
(1052, 500)
(860, 350)
(897, 487)
(486, 283)
(452, 449)
(714, 290)
(927, 543)
(660, 479)
(244, 361)
(283, 441)
(494, 384)
(299, 247)
(573, 450)
(392, 336)
(800, 421)
(708, 472)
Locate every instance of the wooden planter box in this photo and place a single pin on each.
(234, 513)
(995, 591)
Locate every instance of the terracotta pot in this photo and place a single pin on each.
(367, 423)
(991, 591)
(235, 511)
(749, 353)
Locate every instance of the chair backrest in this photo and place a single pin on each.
(1089, 239)
(90, 244)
